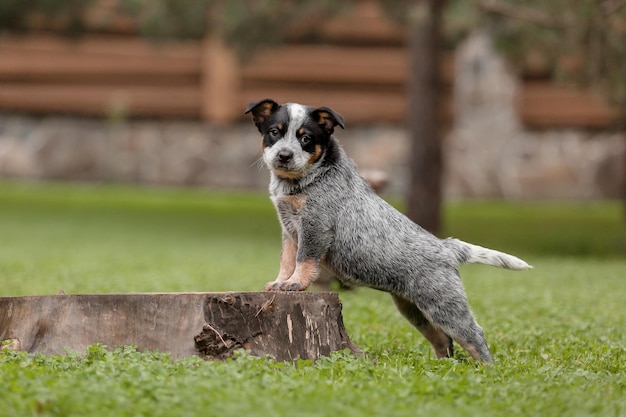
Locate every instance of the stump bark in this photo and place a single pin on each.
(283, 326)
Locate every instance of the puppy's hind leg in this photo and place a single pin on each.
(442, 343)
(451, 313)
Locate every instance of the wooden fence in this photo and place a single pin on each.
(126, 75)
(545, 104)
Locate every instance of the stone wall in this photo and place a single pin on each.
(488, 153)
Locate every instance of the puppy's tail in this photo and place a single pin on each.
(474, 254)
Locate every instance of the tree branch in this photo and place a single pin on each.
(521, 13)
(610, 7)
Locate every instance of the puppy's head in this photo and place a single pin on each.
(295, 137)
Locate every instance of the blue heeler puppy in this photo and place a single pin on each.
(331, 217)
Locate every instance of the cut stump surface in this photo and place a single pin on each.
(280, 325)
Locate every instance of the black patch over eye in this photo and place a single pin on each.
(271, 137)
(305, 140)
(274, 133)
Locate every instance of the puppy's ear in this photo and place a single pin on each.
(261, 110)
(328, 119)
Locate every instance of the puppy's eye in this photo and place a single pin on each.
(305, 140)
(274, 133)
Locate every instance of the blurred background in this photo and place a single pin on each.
(530, 94)
(517, 101)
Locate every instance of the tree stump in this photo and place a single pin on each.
(283, 326)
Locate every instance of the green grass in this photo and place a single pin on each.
(562, 229)
(557, 332)
(117, 239)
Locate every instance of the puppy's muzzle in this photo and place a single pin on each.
(284, 159)
(284, 156)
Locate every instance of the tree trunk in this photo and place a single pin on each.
(426, 160)
(284, 326)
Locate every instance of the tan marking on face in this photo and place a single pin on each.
(301, 131)
(292, 175)
(280, 127)
(287, 259)
(315, 155)
(306, 272)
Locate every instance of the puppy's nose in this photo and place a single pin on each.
(285, 155)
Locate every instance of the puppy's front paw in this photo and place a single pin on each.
(272, 286)
(292, 286)
(285, 286)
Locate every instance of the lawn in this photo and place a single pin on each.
(557, 332)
